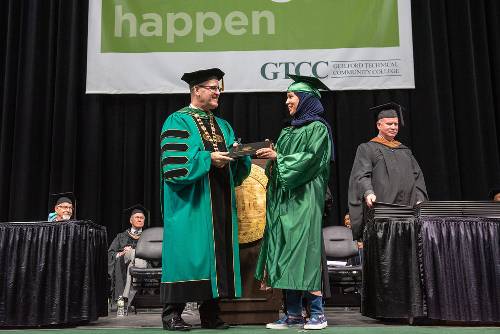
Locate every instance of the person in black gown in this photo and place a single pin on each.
(384, 170)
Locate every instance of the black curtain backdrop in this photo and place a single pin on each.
(105, 148)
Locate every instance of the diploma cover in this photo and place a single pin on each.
(247, 149)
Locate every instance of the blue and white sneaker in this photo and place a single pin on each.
(316, 322)
(286, 322)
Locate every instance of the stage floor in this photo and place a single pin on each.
(340, 321)
(336, 317)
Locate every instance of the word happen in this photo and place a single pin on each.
(181, 24)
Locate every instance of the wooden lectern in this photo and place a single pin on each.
(256, 306)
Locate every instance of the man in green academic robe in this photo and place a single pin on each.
(200, 245)
(291, 252)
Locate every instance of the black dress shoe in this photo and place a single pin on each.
(176, 324)
(217, 323)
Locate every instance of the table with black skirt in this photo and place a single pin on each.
(52, 273)
(432, 268)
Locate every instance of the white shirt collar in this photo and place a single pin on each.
(135, 231)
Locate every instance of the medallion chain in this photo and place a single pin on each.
(213, 137)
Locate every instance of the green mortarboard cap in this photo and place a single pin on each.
(197, 77)
(306, 84)
(388, 110)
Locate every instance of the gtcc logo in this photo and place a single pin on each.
(271, 71)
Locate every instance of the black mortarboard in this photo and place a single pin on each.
(388, 110)
(59, 198)
(493, 192)
(128, 212)
(197, 77)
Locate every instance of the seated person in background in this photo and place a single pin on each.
(495, 194)
(357, 260)
(63, 206)
(121, 254)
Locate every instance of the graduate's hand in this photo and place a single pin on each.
(267, 152)
(220, 159)
(369, 199)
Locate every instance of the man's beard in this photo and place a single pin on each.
(66, 217)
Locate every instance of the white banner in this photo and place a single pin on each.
(144, 46)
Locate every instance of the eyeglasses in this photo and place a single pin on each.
(213, 89)
(65, 207)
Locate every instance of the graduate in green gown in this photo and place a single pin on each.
(298, 171)
(200, 259)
